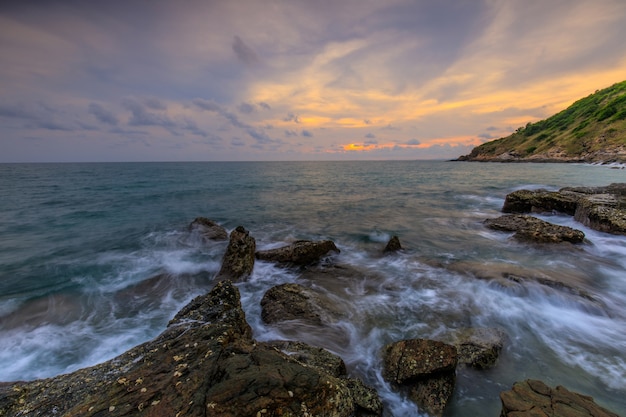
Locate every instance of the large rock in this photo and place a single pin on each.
(208, 229)
(301, 252)
(532, 398)
(425, 369)
(296, 302)
(600, 208)
(538, 201)
(529, 228)
(238, 261)
(204, 363)
(603, 212)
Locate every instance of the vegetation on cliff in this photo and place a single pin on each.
(593, 129)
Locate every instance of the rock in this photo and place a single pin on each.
(295, 302)
(603, 212)
(600, 208)
(477, 347)
(301, 252)
(393, 245)
(366, 399)
(532, 398)
(205, 363)
(208, 229)
(311, 356)
(528, 201)
(424, 368)
(528, 228)
(238, 261)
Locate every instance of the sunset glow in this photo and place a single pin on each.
(243, 81)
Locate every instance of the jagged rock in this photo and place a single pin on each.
(532, 398)
(238, 261)
(538, 201)
(208, 229)
(393, 245)
(528, 228)
(301, 252)
(477, 347)
(424, 368)
(204, 363)
(296, 302)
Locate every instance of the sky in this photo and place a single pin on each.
(213, 80)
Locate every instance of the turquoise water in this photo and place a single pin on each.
(96, 258)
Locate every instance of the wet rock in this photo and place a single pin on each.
(532, 398)
(477, 347)
(301, 252)
(425, 369)
(393, 245)
(205, 363)
(600, 208)
(208, 229)
(296, 302)
(238, 261)
(538, 201)
(529, 228)
(366, 398)
(311, 356)
(603, 212)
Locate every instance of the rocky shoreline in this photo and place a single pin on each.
(206, 362)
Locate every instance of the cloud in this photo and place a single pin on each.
(370, 136)
(413, 142)
(265, 105)
(140, 116)
(307, 133)
(246, 108)
(102, 114)
(291, 118)
(244, 53)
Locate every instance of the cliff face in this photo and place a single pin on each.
(593, 129)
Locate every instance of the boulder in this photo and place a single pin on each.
(538, 201)
(208, 229)
(301, 252)
(603, 212)
(600, 208)
(205, 363)
(529, 228)
(477, 347)
(296, 302)
(393, 245)
(238, 261)
(532, 398)
(425, 369)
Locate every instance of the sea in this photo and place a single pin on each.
(96, 258)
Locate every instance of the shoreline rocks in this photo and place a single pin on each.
(529, 228)
(425, 369)
(532, 398)
(599, 208)
(206, 361)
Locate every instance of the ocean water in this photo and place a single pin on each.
(97, 258)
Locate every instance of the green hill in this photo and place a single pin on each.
(593, 129)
